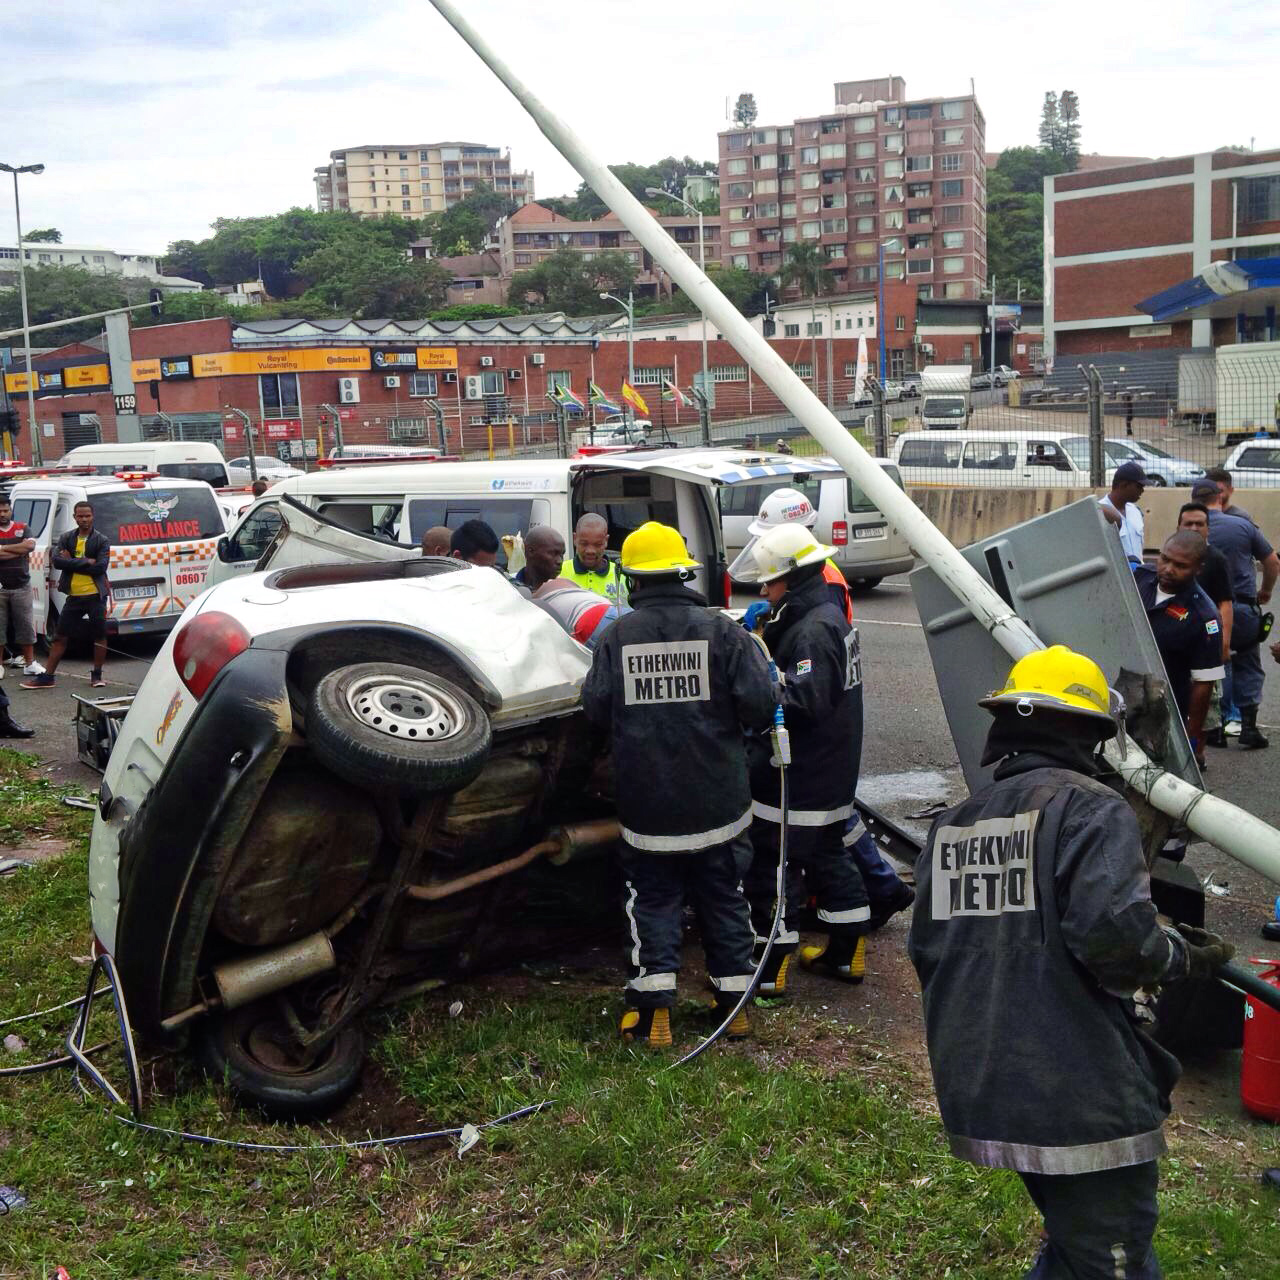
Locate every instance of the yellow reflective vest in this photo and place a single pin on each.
(607, 582)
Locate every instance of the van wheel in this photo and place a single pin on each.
(863, 585)
(381, 724)
(249, 1049)
(45, 643)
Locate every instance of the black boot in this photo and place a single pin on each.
(1250, 738)
(1216, 737)
(10, 728)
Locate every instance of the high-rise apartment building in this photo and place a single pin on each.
(877, 172)
(426, 177)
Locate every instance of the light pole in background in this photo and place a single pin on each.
(702, 262)
(630, 306)
(37, 454)
(229, 412)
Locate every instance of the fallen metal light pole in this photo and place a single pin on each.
(1230, 828)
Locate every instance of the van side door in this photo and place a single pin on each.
(35, 509)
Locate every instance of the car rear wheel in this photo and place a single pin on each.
(862, 585)
(1155, 481)
(382, 724)
(251, 1051)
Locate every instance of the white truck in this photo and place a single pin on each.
(944, 392)
(1248, 390)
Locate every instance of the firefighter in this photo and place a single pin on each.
(887, 892)
(1037, 948)
(676, 685)
(816, 653)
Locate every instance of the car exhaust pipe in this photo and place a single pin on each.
(242, 981)
(576, 838)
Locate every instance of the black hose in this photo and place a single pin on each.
(1248, 982)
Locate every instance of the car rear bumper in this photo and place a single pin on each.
(175, 849)
(874, 567)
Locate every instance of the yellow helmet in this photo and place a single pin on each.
(1057, 679)
(656, 548)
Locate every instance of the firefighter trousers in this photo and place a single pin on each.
(818, 865)
(657, 886)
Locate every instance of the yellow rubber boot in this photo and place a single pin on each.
(651, 1027)
(740, 1027)
(853, 970)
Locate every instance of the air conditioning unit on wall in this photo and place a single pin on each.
(486, 362)
(348, 390)
(537, 358)
(391, 382)
(450, 376)
(473, 388)
(515, 375)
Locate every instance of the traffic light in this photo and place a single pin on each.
(10, 422)
(157, 303)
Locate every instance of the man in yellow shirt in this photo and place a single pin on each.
(82, 556)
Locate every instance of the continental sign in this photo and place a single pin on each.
(68, 381)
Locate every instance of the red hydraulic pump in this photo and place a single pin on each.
(1260, 1063)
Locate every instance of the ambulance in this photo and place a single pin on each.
(163, 532)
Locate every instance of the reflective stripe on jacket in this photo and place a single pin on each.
(609, 583)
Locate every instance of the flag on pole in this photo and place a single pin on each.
(860, 372)
(671, 392)
(602, 401)
(564, 395)
(634, 398)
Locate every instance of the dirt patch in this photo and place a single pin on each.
(38, 851)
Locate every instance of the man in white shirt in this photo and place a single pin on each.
(1120, 506)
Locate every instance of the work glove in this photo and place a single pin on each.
(1206, 952)
(755, 614)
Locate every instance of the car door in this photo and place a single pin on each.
(241, 549)
(35, 509)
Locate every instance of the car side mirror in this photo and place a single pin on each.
(224, 549)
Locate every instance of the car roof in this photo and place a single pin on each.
(105, 484)
(1022, 433)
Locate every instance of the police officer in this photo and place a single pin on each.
(887, 892)
(676, 685)
(816, 653)
(1186, 626)
(1035, 938)
(589, 567)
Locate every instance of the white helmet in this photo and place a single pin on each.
(783, 506)
(785, 549)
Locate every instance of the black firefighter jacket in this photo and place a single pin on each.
(816, 651)
(677, 685)
(1033, 928)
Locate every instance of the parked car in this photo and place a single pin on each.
(1004, 374)
(179, 459)
(981, 381)
(1255, 464)
(999, 458)
(270, 469)
(613, 431)
(1162, 468)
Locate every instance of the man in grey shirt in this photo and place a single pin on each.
(1242, 543)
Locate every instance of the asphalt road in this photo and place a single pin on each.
(908, 762)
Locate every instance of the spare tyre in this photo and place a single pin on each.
(384, 725)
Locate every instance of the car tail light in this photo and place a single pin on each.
(839, 533)
(204, 646)
(727, 587)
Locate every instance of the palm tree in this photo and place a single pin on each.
(806, 265)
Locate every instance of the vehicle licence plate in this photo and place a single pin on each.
(134, 593)
(869, 531)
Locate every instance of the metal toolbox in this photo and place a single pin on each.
(98, 722)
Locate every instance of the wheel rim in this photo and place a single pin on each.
(405, 708)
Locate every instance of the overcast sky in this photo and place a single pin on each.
(153, 118)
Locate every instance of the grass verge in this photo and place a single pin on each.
(807, 1153)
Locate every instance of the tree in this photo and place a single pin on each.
(460, 230)
(45, 235)
(474, 311)
(806, 265)
(745, 289)
(668, 174)
(58, 292)
(567, 282)
(744, 110)
(1015, 215)
(1069, 131)
(372, 281)
(1050, 123)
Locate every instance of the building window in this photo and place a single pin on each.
(404, 188)
(951, 214)
(764, 137)
(952, 266)
(766, 161)
(788, 208)
(921, 111)
(742, 260)
(920, 266)
(790, 330)
(830, 226)
(559, 378)
(893, 115)
(789, 233)
(767, 210)
(808, 155)
(893, 142)
(766, 186)
(809, 181)
(953, 239)
(952, 188)
(919, 242)
(864, 150)
(918, 164)
(952, 111)
(864, 199)
(951, 137)
(864, 124)
(951, 163)
(402, 155)
(919, 190)
(832, 151)
(728, 373)
(422, 384)
(493, 382)
(1036, 352)
(864, 174)
(864, 226)
(924, 291)
(738, 238)
(968, 353)
(893, 220)
(738, 142)
(864, 249)
(869, 275)
(810, 205)
(899, 324)
(736, 167)
(740, 213)
(802, 369)
(1262, 199)
(810, 230)
(893, 271)
(892, 168)
(813, 329)
(278, 394)
(406, 205)
(953, 289)
(523, 259)
(836, 200)
(653, 375)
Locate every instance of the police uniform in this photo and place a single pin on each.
(607, 581)
(676, 685)
(816, 651)
(1242, 543)
(1188, 633)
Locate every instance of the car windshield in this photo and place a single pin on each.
(944, 407)
(156, 514)
(214, 473)
(1147, 447)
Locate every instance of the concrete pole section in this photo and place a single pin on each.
(1231, 829)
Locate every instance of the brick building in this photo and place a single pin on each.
(414, 179)
(1116, 236)
(288, 376)
(878, 171)
(535, 232)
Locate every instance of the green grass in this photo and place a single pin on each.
(807, 447)
(808, 1153)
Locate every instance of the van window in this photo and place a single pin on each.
(502, 515)
(156, 514)
(627, 499)
(33, 512)
(930, 453)
(860, 504)
(255, 534)
(213, 473)
(747, 499)
(1044, 453)
(1260, 459)
(378, 518)
(990, 455)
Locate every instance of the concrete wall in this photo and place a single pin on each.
(965, 515)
